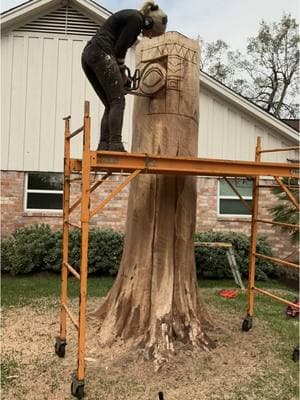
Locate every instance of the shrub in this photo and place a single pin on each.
(25, 249)
(104, 253)
(212, 263)
(37, 248)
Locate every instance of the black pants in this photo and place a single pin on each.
(103, 72)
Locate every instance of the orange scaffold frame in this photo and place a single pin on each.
(131, 165)
(253, 255)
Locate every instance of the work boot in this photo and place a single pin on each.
(102, 146)
(117, 146)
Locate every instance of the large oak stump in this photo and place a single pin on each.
(155, 301)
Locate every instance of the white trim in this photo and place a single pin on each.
(44, 191)
(219, 215)
(29, 10)
(43, 35)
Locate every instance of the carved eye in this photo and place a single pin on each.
(153, 79)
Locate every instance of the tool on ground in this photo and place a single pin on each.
(231, 259)
(293, 311)
(228, 293)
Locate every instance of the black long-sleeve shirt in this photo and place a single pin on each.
(119, 32)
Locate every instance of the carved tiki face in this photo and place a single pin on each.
(167, 121)
(169, 67)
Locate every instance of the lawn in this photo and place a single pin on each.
(245, 365)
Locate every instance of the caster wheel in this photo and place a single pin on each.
(247, 324)
(296, 354)
(77, 387)
(60, 347)
(77, 391)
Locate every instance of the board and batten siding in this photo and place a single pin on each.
(229, 133)
(43, 82)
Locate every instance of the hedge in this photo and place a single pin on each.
(212, 263)
(37, 248)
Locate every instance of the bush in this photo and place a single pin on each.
(25, 250)
(36, 248)
(212, 263)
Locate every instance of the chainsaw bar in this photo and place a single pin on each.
(137, 93)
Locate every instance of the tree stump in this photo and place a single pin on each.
(155, 301)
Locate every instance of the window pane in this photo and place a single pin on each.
(45, 181)
(45, 201)
(234, 207)
(243, 186)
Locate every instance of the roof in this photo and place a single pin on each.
(28, 10)
(294, 123)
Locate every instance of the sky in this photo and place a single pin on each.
(230, 20)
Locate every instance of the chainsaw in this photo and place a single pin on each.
(133, 83)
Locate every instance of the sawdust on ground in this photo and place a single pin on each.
(233, 370)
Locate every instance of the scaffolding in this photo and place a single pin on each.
(130, 165)
(253, 254)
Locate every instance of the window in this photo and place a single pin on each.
(229, 203)
(43, 191)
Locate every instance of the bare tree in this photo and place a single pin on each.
(269, 74)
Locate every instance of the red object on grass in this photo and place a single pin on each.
(228, 293)
(293, 311)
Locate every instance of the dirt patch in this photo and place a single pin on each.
(242, 366)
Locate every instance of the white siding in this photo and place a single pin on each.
(42, 82)
(227, 132)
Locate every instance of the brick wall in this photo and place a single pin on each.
(208, 219)
(114, 215)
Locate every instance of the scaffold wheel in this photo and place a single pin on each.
(60, 347)
(296, 354)
(247, 324)
(77, 387)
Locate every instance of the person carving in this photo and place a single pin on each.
(103, 63)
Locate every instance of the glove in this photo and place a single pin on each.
(125, 73)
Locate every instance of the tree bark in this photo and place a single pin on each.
(155, 300)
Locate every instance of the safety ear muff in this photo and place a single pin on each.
(148, 23)
(154, 7)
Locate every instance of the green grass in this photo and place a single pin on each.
(266, 309)
(21, 291)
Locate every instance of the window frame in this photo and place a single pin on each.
(39, 210)
(233, 197)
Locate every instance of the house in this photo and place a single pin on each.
(43, 82)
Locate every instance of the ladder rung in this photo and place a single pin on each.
(283, 224)
(265, 292)
(277, 260)
(73, 225)
(75, 132)
(71, 316)
(72, 270)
